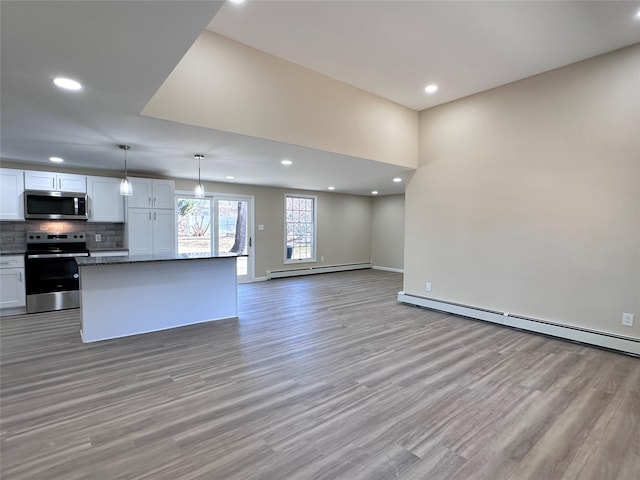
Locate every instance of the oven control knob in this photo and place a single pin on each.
(75, 275)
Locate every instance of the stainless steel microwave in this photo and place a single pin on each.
(55, 205)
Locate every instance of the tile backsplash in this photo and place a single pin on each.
(13, 235)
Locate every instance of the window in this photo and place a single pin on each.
(300, 228)
(194, 224)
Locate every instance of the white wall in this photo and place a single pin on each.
(387, 231)
(527, 197)
(344, 225)
(225, 85)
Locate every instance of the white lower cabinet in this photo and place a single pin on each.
(150, 231)
(12, 293)
(164, 237)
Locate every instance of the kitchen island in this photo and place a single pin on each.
(130, 295)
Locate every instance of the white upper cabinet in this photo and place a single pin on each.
(163, 194)
(11, 194)
(72, 183)
(40, 180)
(142, 193)
(64, 182)
(105, 202)
(151, 193)
(151, 216)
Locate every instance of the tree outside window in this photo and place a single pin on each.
(194, 225)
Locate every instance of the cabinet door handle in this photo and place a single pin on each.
(149, 198)
(20, 277)
(149, 215)
(154, 201)
(154, 215)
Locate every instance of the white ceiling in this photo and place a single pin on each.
(123, 51)
(395, 48)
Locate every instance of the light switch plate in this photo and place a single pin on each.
(627, 319)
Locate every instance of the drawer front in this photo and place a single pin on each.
(115, 253)
(11, 261)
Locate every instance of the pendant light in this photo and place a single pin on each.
(125, 185)
(199, 191)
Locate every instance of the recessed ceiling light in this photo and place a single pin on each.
(331, 188)
(237, 2)
(397, 179)
(374, 192)
(67, 83)
(229, 177)
(286, 161)
(433, 88)
(56, 159)
(638, 14)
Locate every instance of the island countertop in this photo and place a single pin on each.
(168, 257)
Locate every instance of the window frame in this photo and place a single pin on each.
(314, 248)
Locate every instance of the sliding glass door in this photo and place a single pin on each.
(232, 231)
(218, 224)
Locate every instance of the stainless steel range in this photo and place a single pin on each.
(51, 271)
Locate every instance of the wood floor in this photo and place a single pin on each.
(322, 377)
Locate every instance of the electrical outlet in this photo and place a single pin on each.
(428, 286)
(322, 258)
(627, 319)
(98, 237)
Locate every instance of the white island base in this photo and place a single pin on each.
(128, 298)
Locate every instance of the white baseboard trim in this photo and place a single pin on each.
(312, 270)
(601, 339)
(10, 312)
(259, 279)
(388, 269)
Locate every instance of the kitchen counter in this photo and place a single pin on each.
(11, 252)
(133, 294)
(115, 260)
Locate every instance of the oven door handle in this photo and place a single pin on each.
(56, 255)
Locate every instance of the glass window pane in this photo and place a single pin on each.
(194, 225)
(300, 227)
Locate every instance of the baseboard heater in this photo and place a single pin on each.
(294, 272)
(601, 339)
